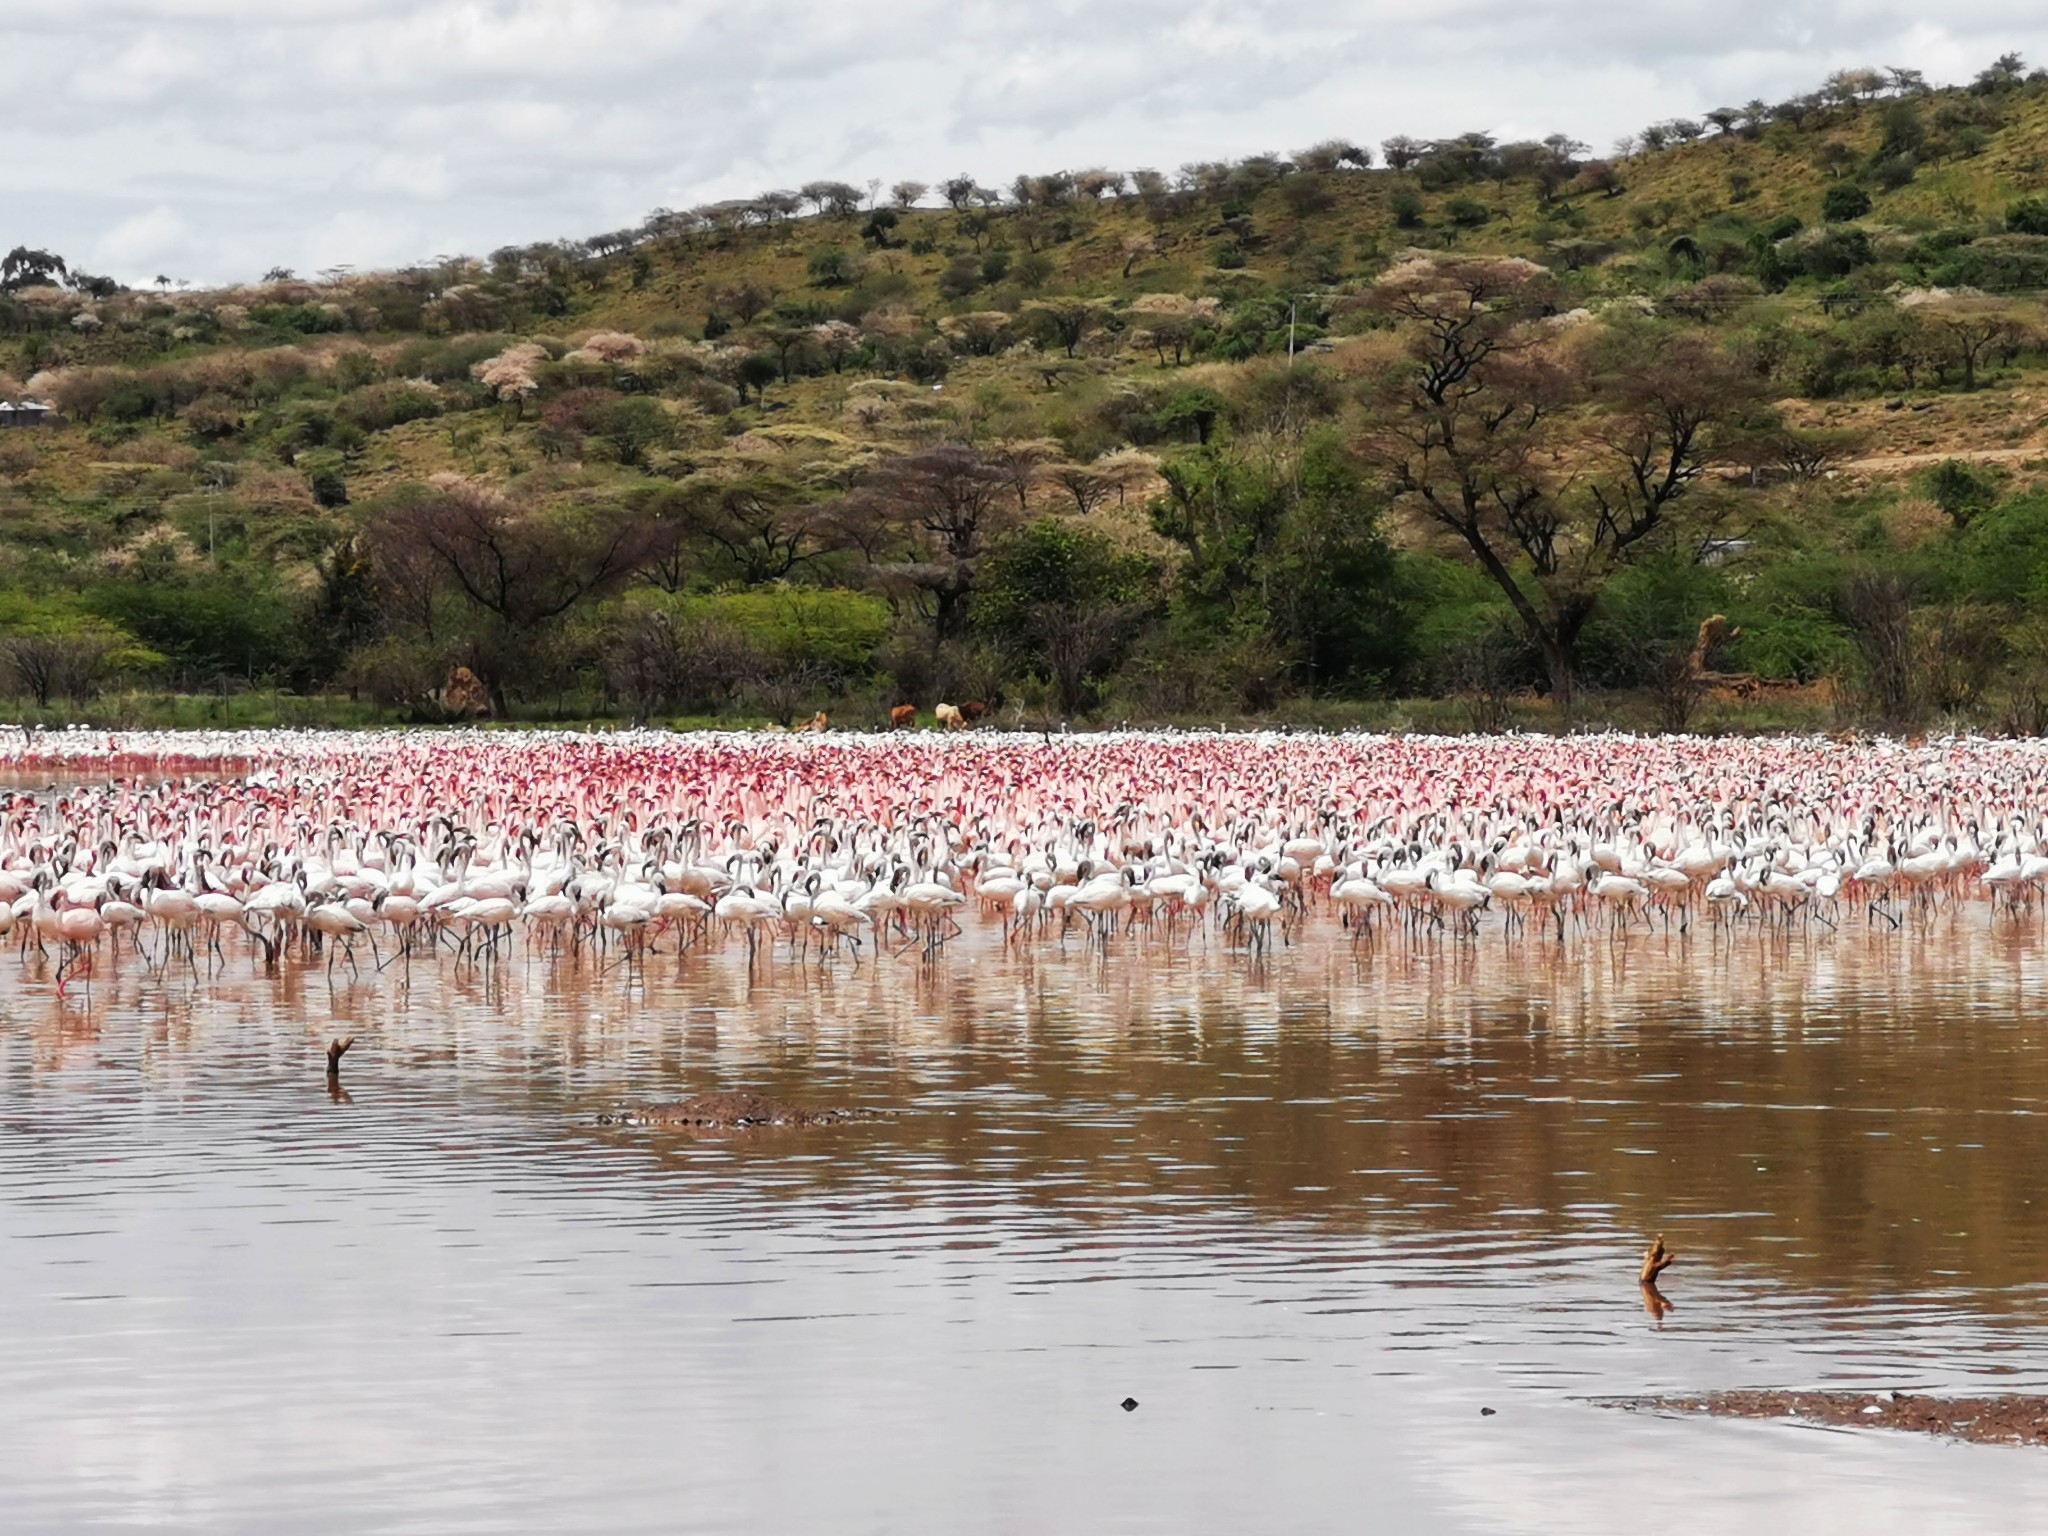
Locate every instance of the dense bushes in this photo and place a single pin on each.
(205, 626)
(1245, 561)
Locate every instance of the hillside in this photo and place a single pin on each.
(1109, 445)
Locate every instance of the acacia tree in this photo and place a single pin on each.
(1967, 329)
(1112, 476)
(1667, 408)
(1065, 319)
(516, 566)
(23, 267)
(1464, 429)
(840, 199)
(760, 527)
(789, 344)
(1400, 152)
(1022, 464)
(1333, 155)
(1173, 322)
(746, 300)
(945, 504)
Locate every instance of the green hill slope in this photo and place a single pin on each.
(1126, 443)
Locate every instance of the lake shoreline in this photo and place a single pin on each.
(2012, 1418)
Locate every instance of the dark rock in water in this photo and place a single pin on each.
(1486, 1413)
(1129, 1403)
(727, 1112)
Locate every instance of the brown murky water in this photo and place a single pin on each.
(1313, 1217)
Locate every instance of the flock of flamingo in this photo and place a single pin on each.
(477, 845)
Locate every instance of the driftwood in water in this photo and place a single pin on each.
(1656, 1259)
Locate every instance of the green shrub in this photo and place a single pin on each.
(829, 267)
(961, 277)
(633, 426)
(211, 626)
(304, 319)
(1467, 212)
(379, 407)
(2028, 216)
(1963, 491)
(1836, 253)
(1843, 201)
(326, 473)
(826, 627)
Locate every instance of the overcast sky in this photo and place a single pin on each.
(211, 139)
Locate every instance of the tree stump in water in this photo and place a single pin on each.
(1656, 1259)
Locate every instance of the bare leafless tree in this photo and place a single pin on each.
(53, 664)
(518, 565)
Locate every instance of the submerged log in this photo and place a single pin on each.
(728, 1112)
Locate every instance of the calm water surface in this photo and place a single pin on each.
(1314, 1217)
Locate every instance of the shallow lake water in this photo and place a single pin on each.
(1313, 1216)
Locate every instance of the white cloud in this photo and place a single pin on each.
(358, 238)
(415, 175)
(218, 132)
(158, 240)
(135, 75)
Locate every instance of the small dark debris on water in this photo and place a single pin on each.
(2013, 1419)
(1486, 1413)
(728, 1112)
(1128, 1404)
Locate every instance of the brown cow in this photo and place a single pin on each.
(902, 717)
(973, 711)
(819, 722)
